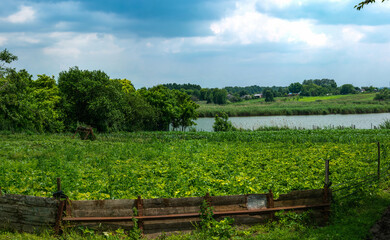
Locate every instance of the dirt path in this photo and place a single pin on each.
(381, 229)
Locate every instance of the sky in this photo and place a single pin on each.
(213, 43)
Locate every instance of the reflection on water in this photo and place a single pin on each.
(361, 121)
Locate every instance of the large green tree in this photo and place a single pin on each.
(295, 87)
(347, 89)
(46, 95)
(91, 98)
(174, 108)
(26, 104)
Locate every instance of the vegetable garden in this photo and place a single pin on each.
(176, 164)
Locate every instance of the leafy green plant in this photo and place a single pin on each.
(209, 228)
(293, 220)
(222, 124)
(135, 233)
(385, 124)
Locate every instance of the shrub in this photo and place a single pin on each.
(222, 124)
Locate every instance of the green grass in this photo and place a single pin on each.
(339, 104)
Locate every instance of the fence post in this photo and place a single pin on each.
(270, 203)
(140, 210)
(327, 172)
(58, 184)
(60, 210)
(326, 185)
(379, 161)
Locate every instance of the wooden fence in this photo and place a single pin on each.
(180, 214)
(33, 214)
(27, 213)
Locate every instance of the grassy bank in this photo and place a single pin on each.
(340, 104)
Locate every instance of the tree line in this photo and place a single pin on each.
(310, 87)
(91, 98)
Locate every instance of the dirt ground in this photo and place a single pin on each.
(381, 229)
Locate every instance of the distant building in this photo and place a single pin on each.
(246, 97)
(258, 95)
(293, 94)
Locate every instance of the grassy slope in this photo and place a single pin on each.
(340, 104)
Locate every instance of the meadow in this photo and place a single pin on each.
(338, 104)
(176, 164)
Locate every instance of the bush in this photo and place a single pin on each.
(222, 124)
(385, 124)
(383, 94)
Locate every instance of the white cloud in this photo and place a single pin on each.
(74, 45)
(351, 34)
(3, 40)
(25, 14)
(250, 26)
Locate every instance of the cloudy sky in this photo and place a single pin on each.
(213, 43)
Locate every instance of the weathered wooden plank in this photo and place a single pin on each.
(316, 193)
(224, 208)
(89, 212)
(26, 218)
(103, 204)
(170, 210)
(24, 210)
(228, 200)
(297, 202)
(172, 202)
(28, 200)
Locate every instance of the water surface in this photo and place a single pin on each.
(360, 121)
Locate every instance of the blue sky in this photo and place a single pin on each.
(213, 43)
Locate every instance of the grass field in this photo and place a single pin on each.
(339, 104)
(175, 164)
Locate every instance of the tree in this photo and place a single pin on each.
(383, 94)
(173, 107)
(295, 87)
(219, 96)
(222, 124)
(91, 98)
(364, 3)
(243, 92)
(46, 95)
(6, 57)
(185, 111)
(347, 89)
(269, 96)
(311, 89)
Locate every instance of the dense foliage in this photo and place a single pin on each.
(222, 123)
(89, 98)
(310, 87)
(383, 94)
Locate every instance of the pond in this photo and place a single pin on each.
(360, 121)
